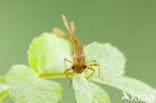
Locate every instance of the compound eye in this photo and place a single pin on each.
(84, 66)
(73, 67)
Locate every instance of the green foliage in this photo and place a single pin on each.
(129, 85)
(2, 79)
(26, 87)
(93, 93)
(4, 89)
(112, 64)
(99, 94)
(46, 53)
(111, 60)
(82, 86)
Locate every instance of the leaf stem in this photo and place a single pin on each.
(54, 75)
(3, 94)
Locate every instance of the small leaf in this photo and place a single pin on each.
(47, 52)
(4, 89)
(87, 92)
(111, 60)
(26, 87)
(131, 86)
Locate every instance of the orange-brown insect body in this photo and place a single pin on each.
(79, 63)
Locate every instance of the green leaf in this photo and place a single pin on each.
(26, 87)
(111, 60)
(99, 94)
(4, 89)
(112, 63)
(83, 91)
(87, 92)
(47, 52)
(131, 86)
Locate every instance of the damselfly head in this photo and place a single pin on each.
(79, 68)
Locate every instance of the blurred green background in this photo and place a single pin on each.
(128, 24)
